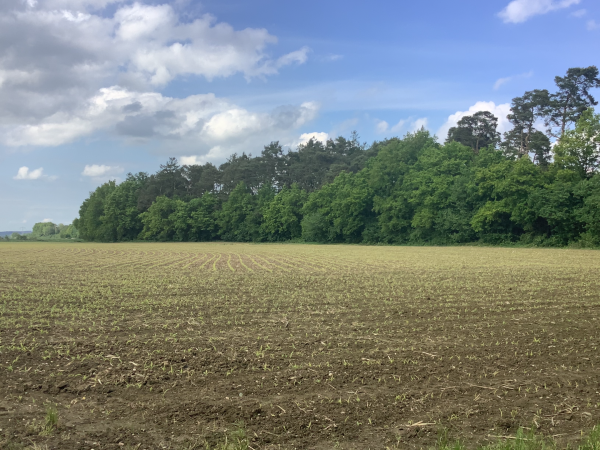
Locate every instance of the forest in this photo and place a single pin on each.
(537, 184)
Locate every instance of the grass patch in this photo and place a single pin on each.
(523, 440)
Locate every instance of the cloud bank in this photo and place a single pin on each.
(67, 71)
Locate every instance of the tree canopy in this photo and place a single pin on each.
(529, 185)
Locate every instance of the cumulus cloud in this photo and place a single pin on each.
(579, 13)
(73, 4)
(292, 142)
(191, 160)
(46, 220)
(418, 124)
(204, 119)
(382, 126)
(100, 170)
(25, 174)
(148, 41)
(315, 136)
(500, 111)
(519, 11)
(69, 69)
(204, 122)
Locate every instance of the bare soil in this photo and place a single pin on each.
(169, 346)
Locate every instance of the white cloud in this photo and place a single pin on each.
(500, 111)
(214, 154)
(418, 124)
(579, 13)
(519, 11)
(25, 174)
(46, 220)
(191, 160)
(399, 126)
(501, 81)
(403, 124)
(316, 136)
(592, 25)
(69, 69)
(101, 171)
(293, 142)
(76, 5)
(201, 121)
(331, 58)
(297, 57)
(382, 126)
(202, 47)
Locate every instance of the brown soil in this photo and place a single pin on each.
(168, 346)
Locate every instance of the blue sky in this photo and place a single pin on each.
(93, 89)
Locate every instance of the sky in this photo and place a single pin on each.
(93, 89)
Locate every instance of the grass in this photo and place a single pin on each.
(236, 439)
(50, 420)
(526, 441)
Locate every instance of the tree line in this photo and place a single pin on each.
(536, 184)
(46, 231)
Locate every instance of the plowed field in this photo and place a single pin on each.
(148, 346)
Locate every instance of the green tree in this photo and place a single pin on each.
(44, 229)
(589, 211)
(476, 131)
(203, 217)
(540, 146)
(160, 223)
(237, 217)
(386, 174)
(121, 217)
(283, 215)
(315, 163)
(169, 181)
(579, 149)
(240, 169)
(556, 204)
(69, 232)
(89, 223)
(525, 111)
(345, 206)
(441, 200)
(505, 188)
(201, 179)
(572, 99)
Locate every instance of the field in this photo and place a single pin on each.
(173, 346)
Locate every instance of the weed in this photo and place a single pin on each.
(50, 420)
(235, 439)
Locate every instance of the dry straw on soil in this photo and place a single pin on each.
(170, 345)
